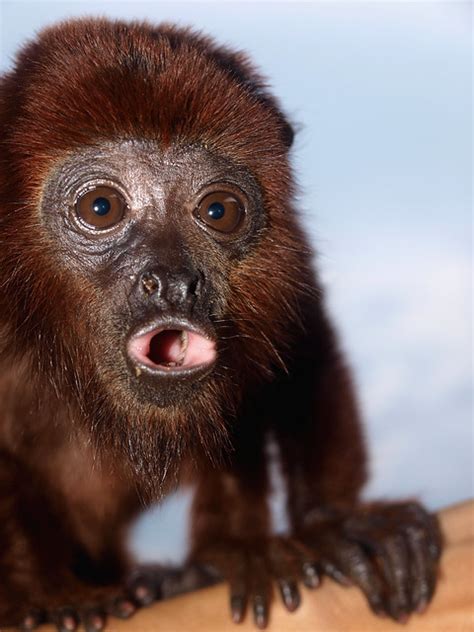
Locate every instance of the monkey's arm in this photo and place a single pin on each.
(230, 522)
(390, 550)
(231, 529)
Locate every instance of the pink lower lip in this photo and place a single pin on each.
(172, 349)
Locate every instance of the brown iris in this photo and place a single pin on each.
(101, 208)
(221, 211)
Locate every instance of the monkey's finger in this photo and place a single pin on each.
(423, 568)
(435, 537)
(238, 599)
(237, 575)
(392, 558)
(122, 608)
(144, 591)
(289, 593)
(94, 620)
(260, 611)
(306, 562)
(311, 576)
(332, 571)
(144, 585)
(428, 524)
(351, 563)
(65, 620)
(260, 583)
(33, 619)
(284, 562)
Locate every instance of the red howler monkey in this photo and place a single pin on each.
(159, 321)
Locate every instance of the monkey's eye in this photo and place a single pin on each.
(101, 208)
(221, 211)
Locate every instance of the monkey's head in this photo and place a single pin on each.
(150, 264)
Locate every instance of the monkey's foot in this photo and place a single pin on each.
(142, 588)
(391, 551)
(252, 567)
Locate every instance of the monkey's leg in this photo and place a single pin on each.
(46, 571)
(390, 550)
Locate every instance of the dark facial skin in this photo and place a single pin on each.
(160, 322)
(160, 234)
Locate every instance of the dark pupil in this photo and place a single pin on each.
(216, 210)
(101, 206)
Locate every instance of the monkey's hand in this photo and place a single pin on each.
(253, 566)
(92, 606)
(391, 551)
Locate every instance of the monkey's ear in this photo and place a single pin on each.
(288, 132)
(289, 135)
(259, 89)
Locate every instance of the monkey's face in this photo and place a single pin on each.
(151, 267)
(150, 242)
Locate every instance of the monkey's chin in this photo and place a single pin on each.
(171, 349)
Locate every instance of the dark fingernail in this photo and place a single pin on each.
(293, 603)
(125, 609)
(311, 582)
(342, 579)
(237, 608)
(310, 576)
(29, 623)
(377, 607)
(144, 595)
(421, 607)
(290, 595)
(379, 611)
(94, 623)
(260, 612)
(403, 618)
(66, 621)
(32, 621)
(70, 623)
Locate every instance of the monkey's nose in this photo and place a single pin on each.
(176, 287)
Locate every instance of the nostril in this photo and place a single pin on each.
(194, 286)
(150, 283)
(178, 287)
(186, 285)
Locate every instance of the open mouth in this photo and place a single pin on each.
(171, 349)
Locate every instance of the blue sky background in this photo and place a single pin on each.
(382, 94)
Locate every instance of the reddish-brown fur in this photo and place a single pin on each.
(79, 453)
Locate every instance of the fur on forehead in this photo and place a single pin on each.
(86, 80)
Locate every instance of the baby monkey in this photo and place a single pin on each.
(160, 323)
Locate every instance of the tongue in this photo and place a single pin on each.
(200, 350)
